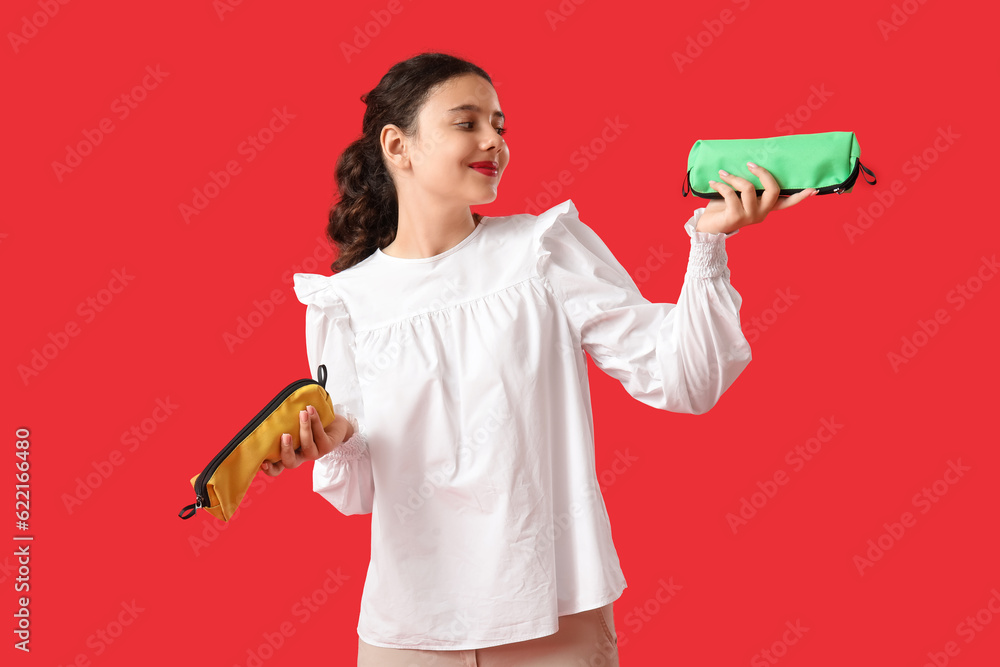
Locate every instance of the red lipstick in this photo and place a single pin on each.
(486, 168)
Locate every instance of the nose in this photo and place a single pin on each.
(493, 140)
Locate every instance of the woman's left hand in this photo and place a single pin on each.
(731, 213)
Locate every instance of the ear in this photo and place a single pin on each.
(394, 146)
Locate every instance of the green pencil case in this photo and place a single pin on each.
(827, 161)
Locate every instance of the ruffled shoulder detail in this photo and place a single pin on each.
(315, 289)
(560, 213)
(564, 243)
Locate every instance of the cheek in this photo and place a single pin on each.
(457, 154)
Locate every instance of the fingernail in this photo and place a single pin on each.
(303, 416)
(751, 165)
(311, 409)
(723, 172)
(285, 438)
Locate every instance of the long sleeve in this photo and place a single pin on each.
(343, 476)
(678, 357)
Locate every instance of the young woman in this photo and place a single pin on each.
(454, 345)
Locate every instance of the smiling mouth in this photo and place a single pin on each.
(485, 168)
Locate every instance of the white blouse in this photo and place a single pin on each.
(465, 377)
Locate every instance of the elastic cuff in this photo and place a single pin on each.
(349, 450)
(354, 446)
(708, 257)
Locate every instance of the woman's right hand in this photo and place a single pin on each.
(314, 441)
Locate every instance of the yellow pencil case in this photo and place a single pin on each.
(220, 487)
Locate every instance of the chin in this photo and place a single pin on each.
(489, 199)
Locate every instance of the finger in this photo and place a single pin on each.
(728, 196)
(337, 430)
(287, 455)
(307, 439)
(792, 200)
(272, 468)
(748, 191)
(771, 188)
(733, 206)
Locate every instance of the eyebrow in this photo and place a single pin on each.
(473, 107)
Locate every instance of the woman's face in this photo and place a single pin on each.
(459, 125)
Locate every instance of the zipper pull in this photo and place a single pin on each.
(193, 508)
(868, 171)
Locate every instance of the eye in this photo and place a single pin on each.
(500, 130)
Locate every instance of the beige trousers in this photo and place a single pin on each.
(584, 639)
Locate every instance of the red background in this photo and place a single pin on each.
(208, 594)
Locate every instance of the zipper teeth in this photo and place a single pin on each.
(820, 191)
(846, 184)
(206, 474)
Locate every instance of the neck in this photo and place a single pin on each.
(426, 235)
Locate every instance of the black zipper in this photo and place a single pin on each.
(839, 188)
(201, 484)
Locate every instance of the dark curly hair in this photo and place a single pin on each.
(366, 215)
